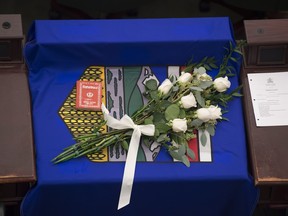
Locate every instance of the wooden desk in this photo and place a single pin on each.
(268, 145)
(266, 51)
(268, 148)
(17, 166)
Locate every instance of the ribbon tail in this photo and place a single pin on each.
(127, 123)
(129, 170)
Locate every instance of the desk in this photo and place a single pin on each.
(269, 164)
(267, 145)
(58, 52)
(17, 164)
(17, 168)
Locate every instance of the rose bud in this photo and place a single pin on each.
(222, 84)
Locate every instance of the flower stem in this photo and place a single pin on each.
(179, 96)
(90, 145)
(135, 115)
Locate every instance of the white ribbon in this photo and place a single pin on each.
(125, 123)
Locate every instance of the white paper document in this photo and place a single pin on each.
(269, 92)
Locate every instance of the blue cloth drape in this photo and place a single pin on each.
(57, 53)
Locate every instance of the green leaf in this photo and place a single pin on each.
(172, 112)
(148, 121)
(196, 123)
(147, 141)
(238, 51)
(175, 155)
(182, 150)
(182, 140)
(158, 117)
(212, 65)
(151, 84)
(124, 144)
(161, 138)
(236, 94)
(182, 114)
(174, 137)
(204, 59)
(162, 127)
(190, 153)
(196, 88)
(205, 84)
(185, 160)
(233, 59)
(164, 104)
(156, 133)
(154, 95)
(207, 67)
(203, 139)
(200, 99)
(211, 130)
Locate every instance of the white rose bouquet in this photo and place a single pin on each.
(175, 109)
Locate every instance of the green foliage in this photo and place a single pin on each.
(162, 127)
(211, 130)
(203, 138)
(196, 123)
(175, 155)
(208, 62)
(225, 68)
(172, 112)
(200, 99)
(124, 144)
(151, 84)
(190, 153)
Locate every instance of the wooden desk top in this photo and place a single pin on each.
(16, 142)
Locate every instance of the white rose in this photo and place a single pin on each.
(203, 114)
(179, 125)
(188, 101)
(222, 84)
(185, 77)
(165, 87)
(215, 112)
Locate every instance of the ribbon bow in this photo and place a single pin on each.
(125, 123)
